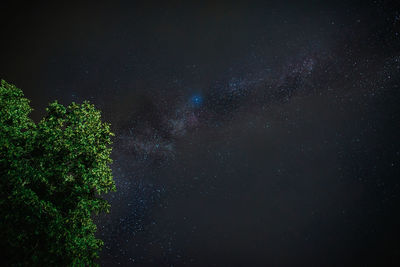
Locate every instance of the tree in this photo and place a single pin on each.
(52, 175)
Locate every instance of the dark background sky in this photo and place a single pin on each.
(247, 134)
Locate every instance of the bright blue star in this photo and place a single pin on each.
(196, 100)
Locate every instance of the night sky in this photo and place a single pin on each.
(247, 134)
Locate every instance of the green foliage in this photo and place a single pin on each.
(51, 177)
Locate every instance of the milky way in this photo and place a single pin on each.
(155, 139)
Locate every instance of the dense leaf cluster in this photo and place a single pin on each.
(51, 177)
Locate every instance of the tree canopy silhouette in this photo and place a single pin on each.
(52, 176)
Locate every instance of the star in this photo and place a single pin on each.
(196, 100)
